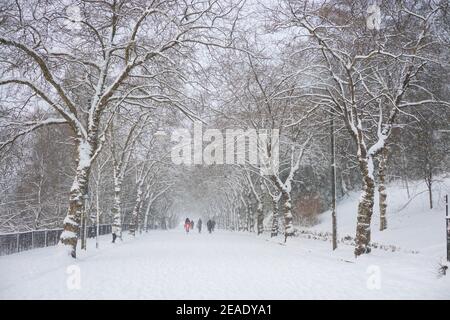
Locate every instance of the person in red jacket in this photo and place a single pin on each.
(187, 225)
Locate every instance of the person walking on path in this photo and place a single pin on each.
(209, 226)
(115, 233)
(187, 225)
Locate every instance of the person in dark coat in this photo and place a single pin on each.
(199, 225)
(115, 233)
(192, 224)
(209, 226)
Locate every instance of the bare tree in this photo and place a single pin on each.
(84, 66)
(377, 74)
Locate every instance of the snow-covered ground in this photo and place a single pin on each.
(227, 265)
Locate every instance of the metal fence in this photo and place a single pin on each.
(21, 241)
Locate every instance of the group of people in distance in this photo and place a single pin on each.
(189, 225)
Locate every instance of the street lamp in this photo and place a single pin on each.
(333, 184)
(97, 223)
(437, 133)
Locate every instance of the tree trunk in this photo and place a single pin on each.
(237, 219)
(405, 175)
(275, 227)
(287, 214)
(365, 207)
(382, 189)
(430, 193)
(241, 214)
(39, 210)
(147, 212)
(116, 211)
(69, 237)
(136, 211)
(259, 218)
(245, 220)
(429, 182)
(249, 217)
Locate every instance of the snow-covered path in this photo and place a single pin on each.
(222, 265)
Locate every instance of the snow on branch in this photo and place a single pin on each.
(30, 126)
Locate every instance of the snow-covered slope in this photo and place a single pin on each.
(412, 224)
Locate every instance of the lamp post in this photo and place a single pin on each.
(437, 133)
(97, 223)
(333, 185)
(447, 224)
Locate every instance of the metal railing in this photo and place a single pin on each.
(21, 241)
